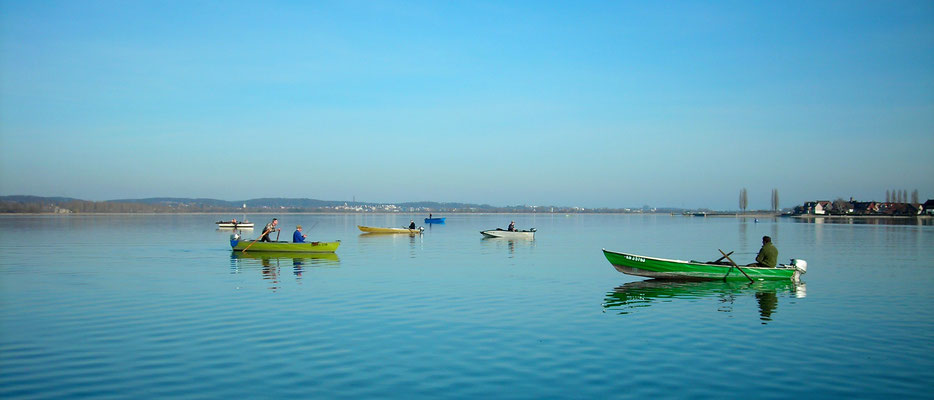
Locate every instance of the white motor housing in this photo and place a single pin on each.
(800, 265)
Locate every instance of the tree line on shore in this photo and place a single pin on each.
(901, 196)
(744, 200)
(78, 206)
(896, 203)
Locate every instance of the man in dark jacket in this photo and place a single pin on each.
(768, 255)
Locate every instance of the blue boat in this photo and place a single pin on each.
(434, 220)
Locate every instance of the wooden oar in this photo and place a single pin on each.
(254, 241)
(727, 256)
(718, 260)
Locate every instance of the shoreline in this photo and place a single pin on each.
(813, 216)
(735, 215)
(712, 215)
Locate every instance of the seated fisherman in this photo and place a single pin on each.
(768, 255)
(298, 237)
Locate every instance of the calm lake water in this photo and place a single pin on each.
(154, 306)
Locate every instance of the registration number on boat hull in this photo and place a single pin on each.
(634, 258)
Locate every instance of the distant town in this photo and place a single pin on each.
(64, 205)
(865, 208)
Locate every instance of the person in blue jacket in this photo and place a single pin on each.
(298, 237)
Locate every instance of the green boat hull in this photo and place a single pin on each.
(659, 268)
(285, 247)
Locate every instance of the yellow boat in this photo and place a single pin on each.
(370, 229)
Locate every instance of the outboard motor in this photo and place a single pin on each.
(800, 266)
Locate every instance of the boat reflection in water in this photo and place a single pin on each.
(270, 263)
(381, 241)
(632, 296)
(511, 244)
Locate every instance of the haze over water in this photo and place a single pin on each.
(158, 306)
(591, 104)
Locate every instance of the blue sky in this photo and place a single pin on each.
(592, 104)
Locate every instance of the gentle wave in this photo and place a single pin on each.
(158, 306)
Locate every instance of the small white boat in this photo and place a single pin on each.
(234, 225)
(500, 233)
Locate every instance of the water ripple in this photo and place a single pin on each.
(449, 315)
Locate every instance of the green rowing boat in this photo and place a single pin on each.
(309, 247)
(632, 264)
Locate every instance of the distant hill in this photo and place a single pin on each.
(36, 199)
(270, 202)
(277, 202)
(436, 205)
(37, 204)
(176, 201)
(66, 205)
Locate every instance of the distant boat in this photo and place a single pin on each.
(500, 233)
(660, 268)
(234, 225)
(283, 247)
(434, 220)
(371, 229)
